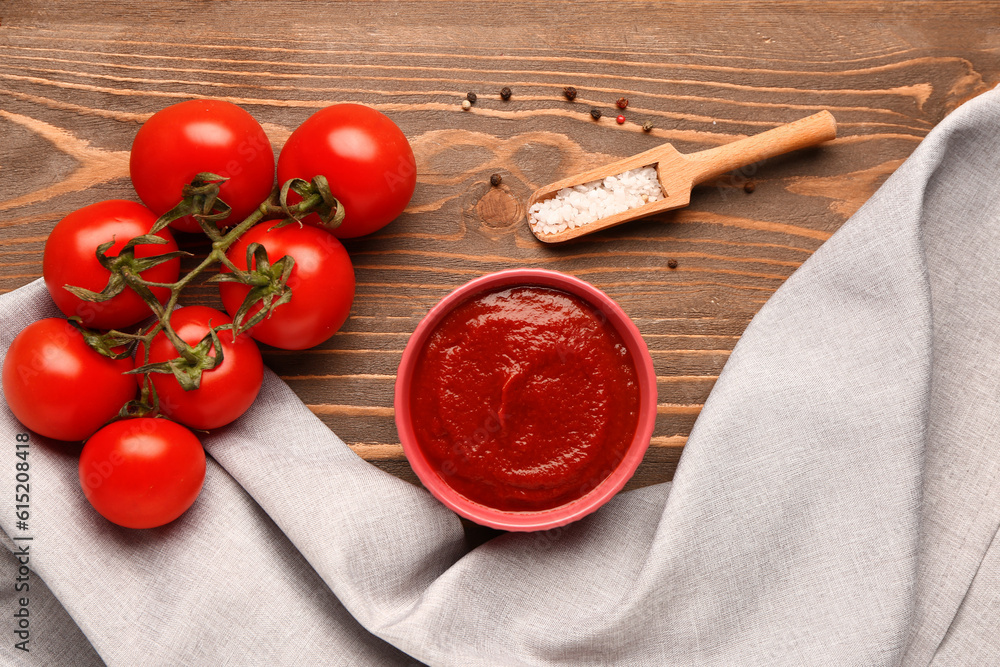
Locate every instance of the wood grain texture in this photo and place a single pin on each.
(77, 80)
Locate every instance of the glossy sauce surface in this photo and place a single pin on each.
(524, 398)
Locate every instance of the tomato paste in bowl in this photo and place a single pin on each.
(525, 399)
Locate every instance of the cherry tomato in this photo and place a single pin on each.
(181, 141)
(322, 284)
(226, 391)
(365, 157)
(142, 473)
(59, 387)
(70, 259)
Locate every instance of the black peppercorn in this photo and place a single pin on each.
(496, 179)
(749, 187)
(595, 113)
(672, 263)
(471, 97)
(570, 93)
(505, 93)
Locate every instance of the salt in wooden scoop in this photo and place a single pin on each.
(679, 173)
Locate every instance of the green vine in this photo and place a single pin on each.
(268, 281)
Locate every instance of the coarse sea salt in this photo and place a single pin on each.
(583, 204)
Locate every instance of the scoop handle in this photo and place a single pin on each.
(804, 132)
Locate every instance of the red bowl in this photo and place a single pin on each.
(575, 509)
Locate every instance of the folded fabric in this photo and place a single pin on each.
(836, 503)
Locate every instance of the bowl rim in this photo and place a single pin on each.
(602, 491)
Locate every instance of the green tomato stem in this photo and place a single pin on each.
(221, 243)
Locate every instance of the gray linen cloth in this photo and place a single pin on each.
(837, 502)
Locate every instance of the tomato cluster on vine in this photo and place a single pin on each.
(132, 370)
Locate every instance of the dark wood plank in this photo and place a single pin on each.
(77, 80)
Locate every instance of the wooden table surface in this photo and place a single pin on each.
(78, 78)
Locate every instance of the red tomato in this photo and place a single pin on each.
(365, 157)
(181, 141)
(322, 284)
(142, 473)
(59, 387)
(70, 259)
(226, 391)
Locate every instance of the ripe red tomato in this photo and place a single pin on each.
(185, 139)
(59, 387)
(70, 259)
(142, 473)
(322, 284)
(365, 157)
(226, 391)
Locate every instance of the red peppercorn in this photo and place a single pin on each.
(622, 102)
(620, 119)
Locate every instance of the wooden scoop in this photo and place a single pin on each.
(679, 173)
